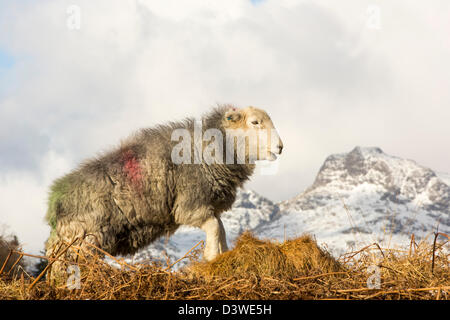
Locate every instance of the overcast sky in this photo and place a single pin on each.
(332, 75)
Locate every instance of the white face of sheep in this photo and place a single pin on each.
(254, 125)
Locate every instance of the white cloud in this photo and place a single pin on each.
(23, 201)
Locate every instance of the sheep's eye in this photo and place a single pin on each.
(255, 122)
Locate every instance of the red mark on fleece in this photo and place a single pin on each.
(131, 168)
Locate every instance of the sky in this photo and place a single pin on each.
(76, 77)
(6, 61)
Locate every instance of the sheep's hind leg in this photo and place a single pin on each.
(62, 268)
(57, 248)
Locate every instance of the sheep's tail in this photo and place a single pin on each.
(58, 191)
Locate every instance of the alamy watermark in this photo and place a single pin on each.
(73, 21)
(230, 146)
(74, 280)
(374, 280)
(373, 17)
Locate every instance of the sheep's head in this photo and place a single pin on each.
(258, 130)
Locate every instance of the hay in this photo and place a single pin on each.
(264, 258)
(11, 262)
(256, 269)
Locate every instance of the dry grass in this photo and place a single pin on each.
(9, 253)
(257, 269)
(263, 258)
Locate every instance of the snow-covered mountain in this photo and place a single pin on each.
(358, 198)
(367, 196)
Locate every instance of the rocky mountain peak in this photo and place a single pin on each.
(400, 180)
(353, 167)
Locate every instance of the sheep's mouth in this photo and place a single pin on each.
(271, 156)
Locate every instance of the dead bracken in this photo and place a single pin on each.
(255, 269)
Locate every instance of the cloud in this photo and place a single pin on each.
(328, 81)
(23, 200)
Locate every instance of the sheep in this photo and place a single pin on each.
(126, 198)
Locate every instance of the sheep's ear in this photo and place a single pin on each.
(233, 115)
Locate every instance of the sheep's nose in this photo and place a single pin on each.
(280, 147)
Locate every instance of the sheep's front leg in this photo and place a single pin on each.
(222, 238)
(216, 242)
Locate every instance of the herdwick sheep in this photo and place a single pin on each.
(126, 198)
